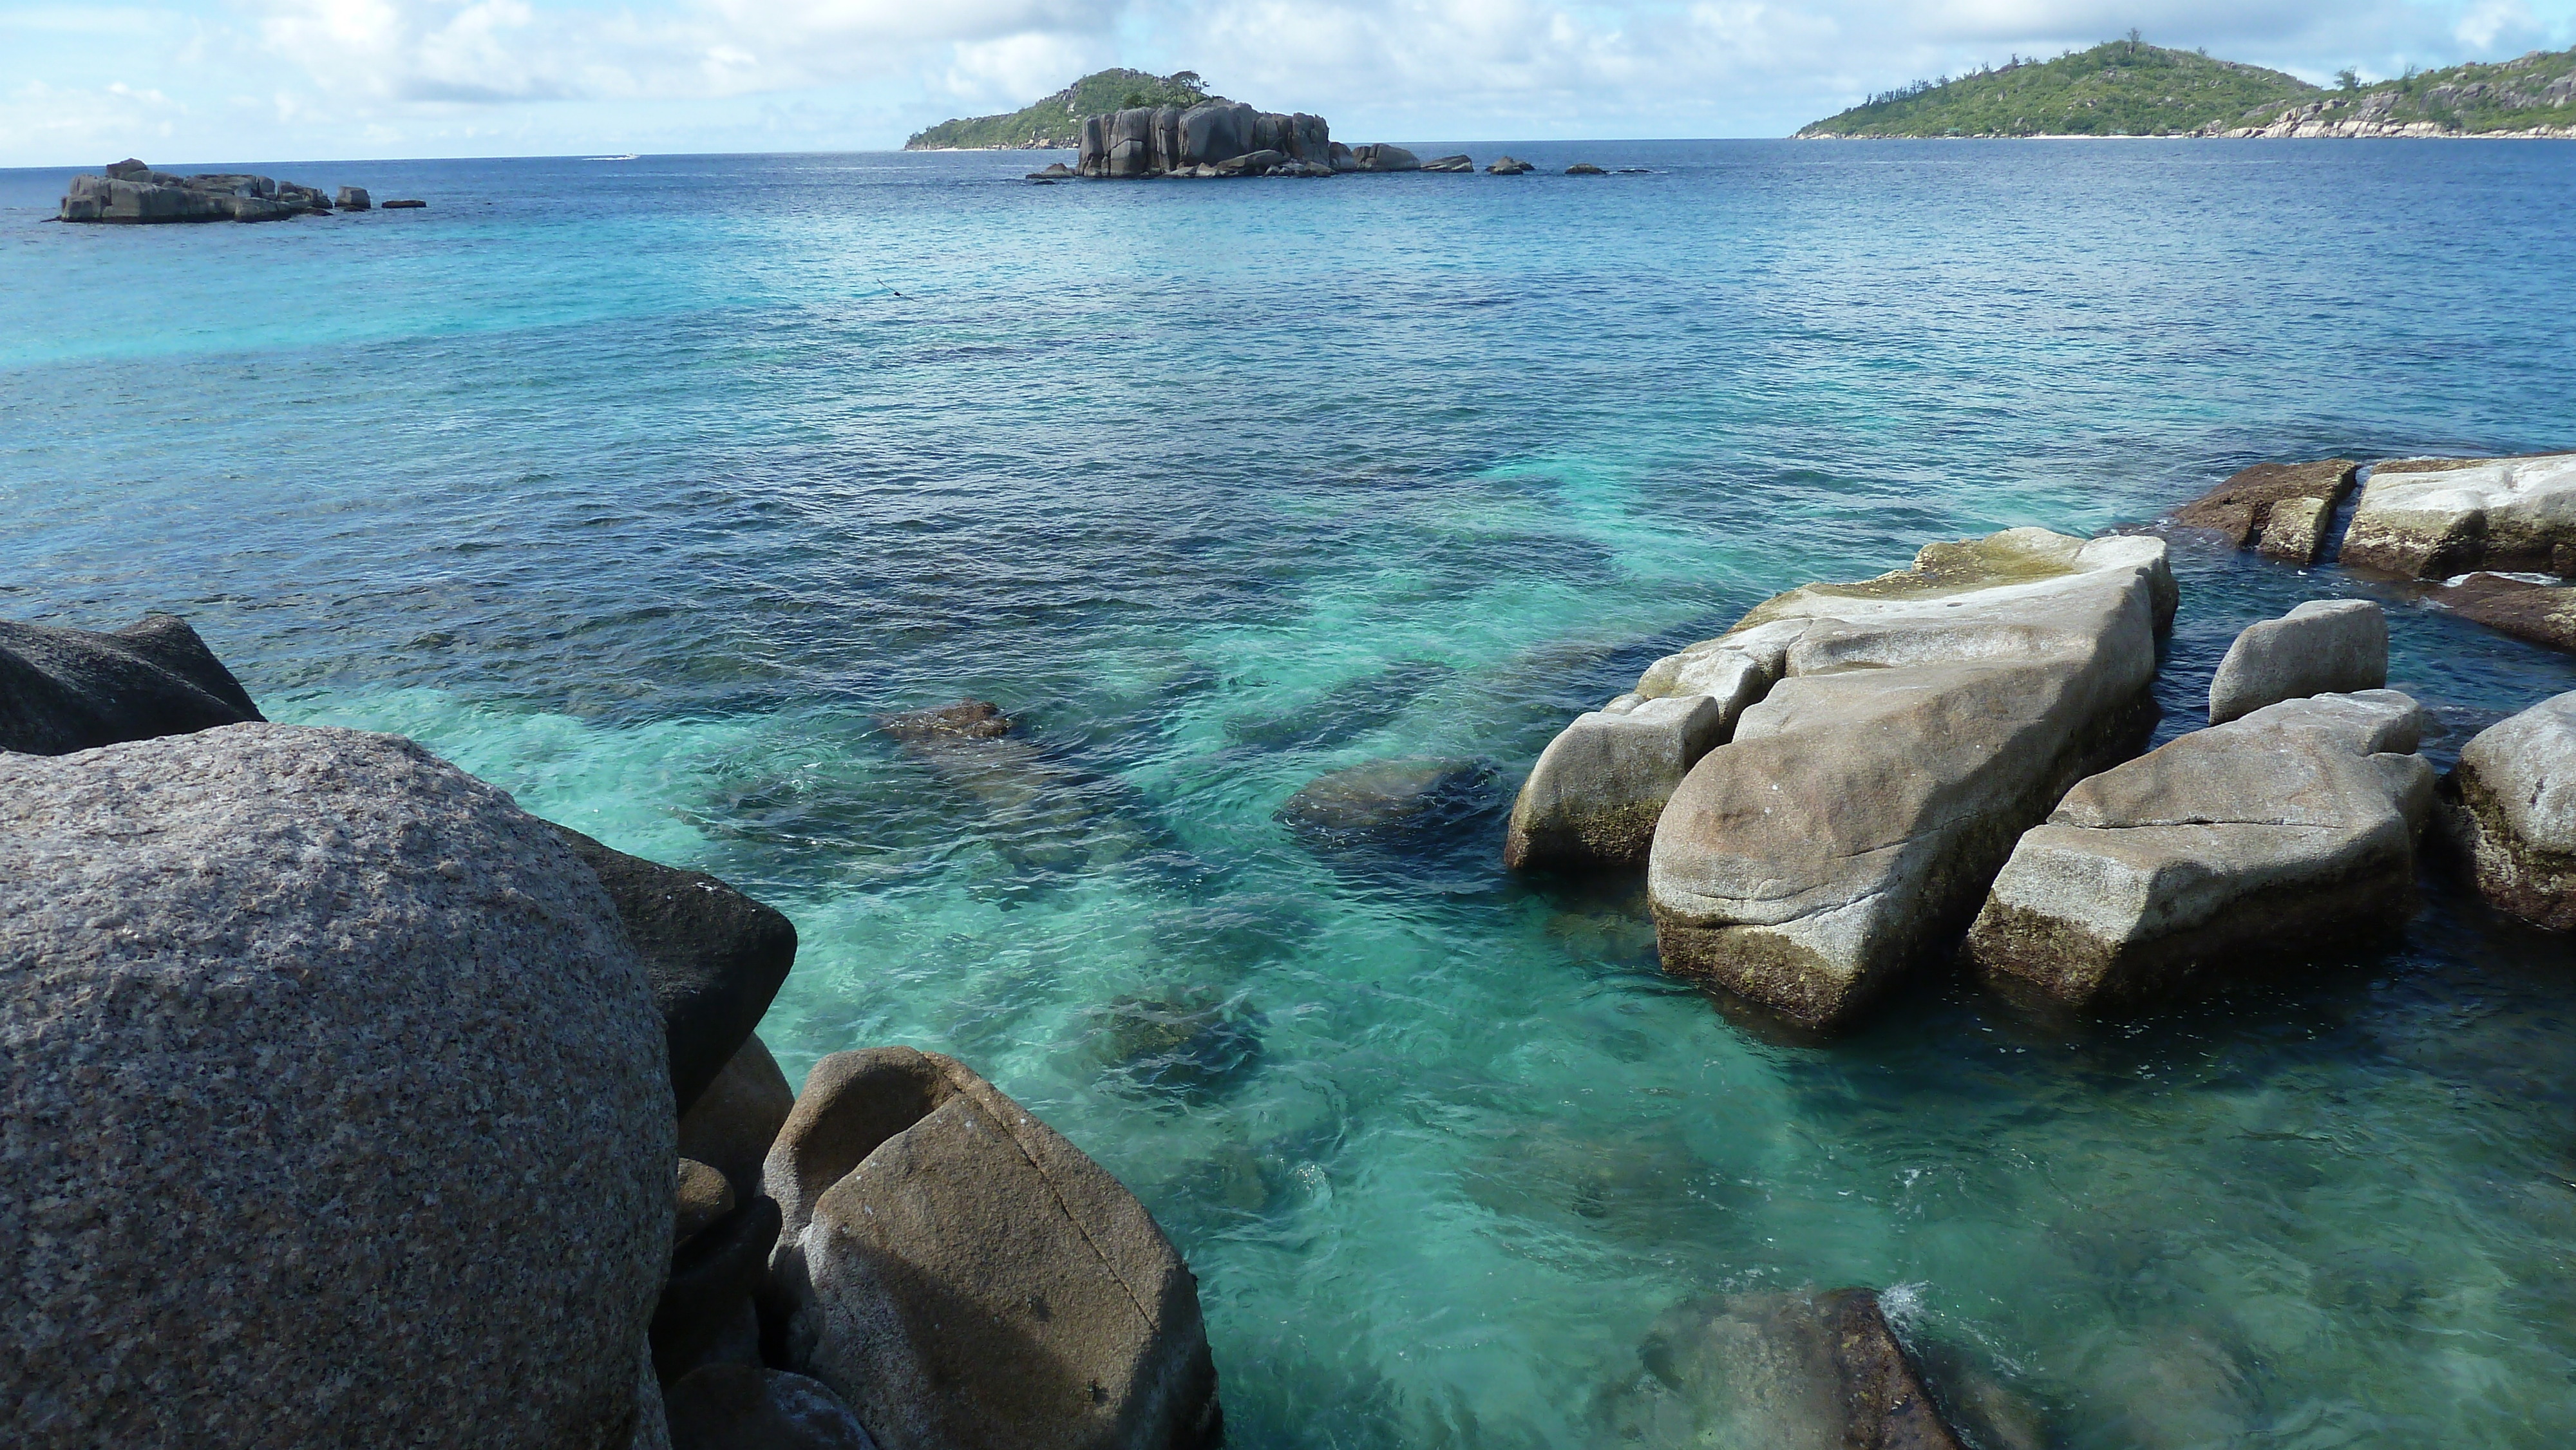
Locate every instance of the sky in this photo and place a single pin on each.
(208, 81)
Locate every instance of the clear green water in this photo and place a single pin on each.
(638, 489)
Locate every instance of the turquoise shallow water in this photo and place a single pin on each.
(642, 487)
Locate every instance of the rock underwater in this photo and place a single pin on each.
(962, 1275)
(335, 1103)
(1922, 721)
(2285, 831)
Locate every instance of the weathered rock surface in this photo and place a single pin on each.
(1600, 786)
(2287, 830)
(2509, 811)
(1508, 166)
(716, 956)
(2296, 532)
(1782, 1372)
(2242, 507)
(734, 1121)
(1924, 720)
(747, 1407)
(700, 1199)
(352, 198)
(2541, 613)
(962, 1275)
(1380, 156)
(2431, 518)
(1168, 141)
(2325, 646)
(63, 690)
(1458, 164)
(333, 1100)
(133, 192)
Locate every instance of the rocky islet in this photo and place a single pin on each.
(131, 192)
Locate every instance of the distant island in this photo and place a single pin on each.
(2129, 88)
(1055, 123)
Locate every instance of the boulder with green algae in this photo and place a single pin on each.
(1924, 719)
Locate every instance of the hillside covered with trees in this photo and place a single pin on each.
(1056, 121)
(2130, 88)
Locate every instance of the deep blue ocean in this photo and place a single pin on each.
(642, 487)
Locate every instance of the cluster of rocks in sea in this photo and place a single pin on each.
(345, 1102)
(1219, 139)
(1858, 780)
(130, 191)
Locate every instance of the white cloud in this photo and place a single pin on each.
(337, 77)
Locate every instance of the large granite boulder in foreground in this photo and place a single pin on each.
(1779, 1372)
(63, 690)
(2325, 646)
(2431, 518)
(1925, 719)
(2289, 830)
(2509, 809)
(333, 1106)
(962, 1275)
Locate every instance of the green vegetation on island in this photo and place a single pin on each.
(2130, 88)
(1056, 121)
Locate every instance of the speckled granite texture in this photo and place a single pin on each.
(333, 1105)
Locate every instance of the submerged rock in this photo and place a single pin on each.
(1390, 802)
(335, 1105)
(2509, 811)
(1781, 1372)
(1186, 1043)
(716, 956)
(1044, 812)
(1924, 720)
(63, 690)
(748, 1407)
(2544, 614)
(962, 1275)
(2287, 831)
(2325, 646)
(2242, 508)
(2431, 518)
(402, 205)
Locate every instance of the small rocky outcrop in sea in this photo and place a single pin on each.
(409, 204)
(1585, 168)
(63, 690)
(352, 198)
(130, 191)
(2287, 830)
(2544, 614)
(962, 1275)
(1213, 138)
(1380, 156)
(1508, 166)
(2283, 507)
(1459, 164)
(1889, 741)
(335, 1102)
(2325, 646)
(1785, 1371)
(2509, 812)
(2432, 518)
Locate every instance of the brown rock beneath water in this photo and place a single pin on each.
(965, 720)
(738, 1117)
(2240, 507)
(2541, 613)
(964, 1276)
(1781, 1371)
(747, 1407)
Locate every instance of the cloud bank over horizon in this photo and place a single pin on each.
(191, 81)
